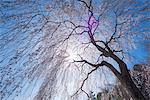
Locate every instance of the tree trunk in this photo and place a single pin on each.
(131, 88)
(127, 82)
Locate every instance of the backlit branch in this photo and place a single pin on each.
(81, 87)
(85, 61)
(90, 8)
(96, 66)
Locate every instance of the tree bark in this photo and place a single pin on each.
(131, 88)
(124, 75)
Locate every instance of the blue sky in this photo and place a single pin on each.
(140, 53)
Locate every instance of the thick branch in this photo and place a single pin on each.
(109, 53)
(112, 68)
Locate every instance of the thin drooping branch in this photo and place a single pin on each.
(96, 66)
(89, 73)
(89, 6)
(44, 36)
(83, 82)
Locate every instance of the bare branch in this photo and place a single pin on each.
(85, 61)
(112, 68)
(90, 8)
(81, 87)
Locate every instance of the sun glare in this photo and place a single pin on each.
(72, 55)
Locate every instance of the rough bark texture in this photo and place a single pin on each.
(131, 88)
(123, 76)
(126, 90)
(127, 81)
